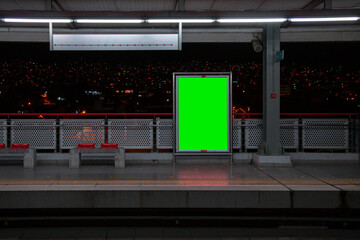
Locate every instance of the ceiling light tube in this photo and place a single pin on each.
(109, 20)
(30, 20)
(180, 20)
(327, 19)
(251, 20)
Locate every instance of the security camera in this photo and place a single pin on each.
(256, 43)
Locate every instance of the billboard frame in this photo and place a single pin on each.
(176, 75)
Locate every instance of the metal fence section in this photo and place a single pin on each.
(3, 131)
(164, 134)
(131, 133)
(75, 131)
(39, 133)
(311, 133)
(253, 133)
(289, 133)
(236, 134)
(325, 134)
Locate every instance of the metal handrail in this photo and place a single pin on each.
(167, 114)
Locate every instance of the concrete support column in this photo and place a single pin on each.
(271, 90)
(270, 152)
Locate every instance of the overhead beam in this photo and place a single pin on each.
(181, 5)
(177, 14)
(61, 8)
(192, 35)
(313, 4)
(327, 4)
(48, 5)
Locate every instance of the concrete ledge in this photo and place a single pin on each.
(303, 157)
(167, 158)
(272, 160)
(37, 197)
(143, 199)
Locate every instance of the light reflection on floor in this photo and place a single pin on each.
(183, 175)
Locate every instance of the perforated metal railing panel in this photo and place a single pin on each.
(39, 133)
(165, 137)
(75, 131)
(131, 133)
(236, 134)
(138, 133)
(289, 133)
(325, 134)
(164, 134)
(253, 133)
(3, 131)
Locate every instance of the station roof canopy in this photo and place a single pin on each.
(216, 10)
(174, 5)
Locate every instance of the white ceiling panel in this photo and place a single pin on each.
(88, 5)
(22, 5)
(145, 5)
(198, 5)
(169, 5)
(346, 4)
(236, 5)
(272, 5)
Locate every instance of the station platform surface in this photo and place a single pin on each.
(181, 186)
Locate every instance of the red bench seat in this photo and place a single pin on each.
(19, 146)
(109, 145)
(86, 146)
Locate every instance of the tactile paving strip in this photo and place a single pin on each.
(156, 182)
(177, 182)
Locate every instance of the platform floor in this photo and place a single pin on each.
(178, 234)
(321, 176)
(181, 186)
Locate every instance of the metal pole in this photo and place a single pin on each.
(180, 36)
(51, 36)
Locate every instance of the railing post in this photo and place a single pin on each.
(300, 132)
(57, 133)
(154, 134)
(357, 134)
(8, 134)
(106, 129)
(351, 139)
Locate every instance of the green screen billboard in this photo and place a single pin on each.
(203, 113)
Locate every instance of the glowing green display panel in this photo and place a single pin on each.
(203, 113)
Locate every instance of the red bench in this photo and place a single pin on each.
(23, 149)
(105, 149)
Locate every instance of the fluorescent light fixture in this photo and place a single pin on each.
(251, 20)
(109, 20)
(30, 20)
(328, 19)
(180, 20)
